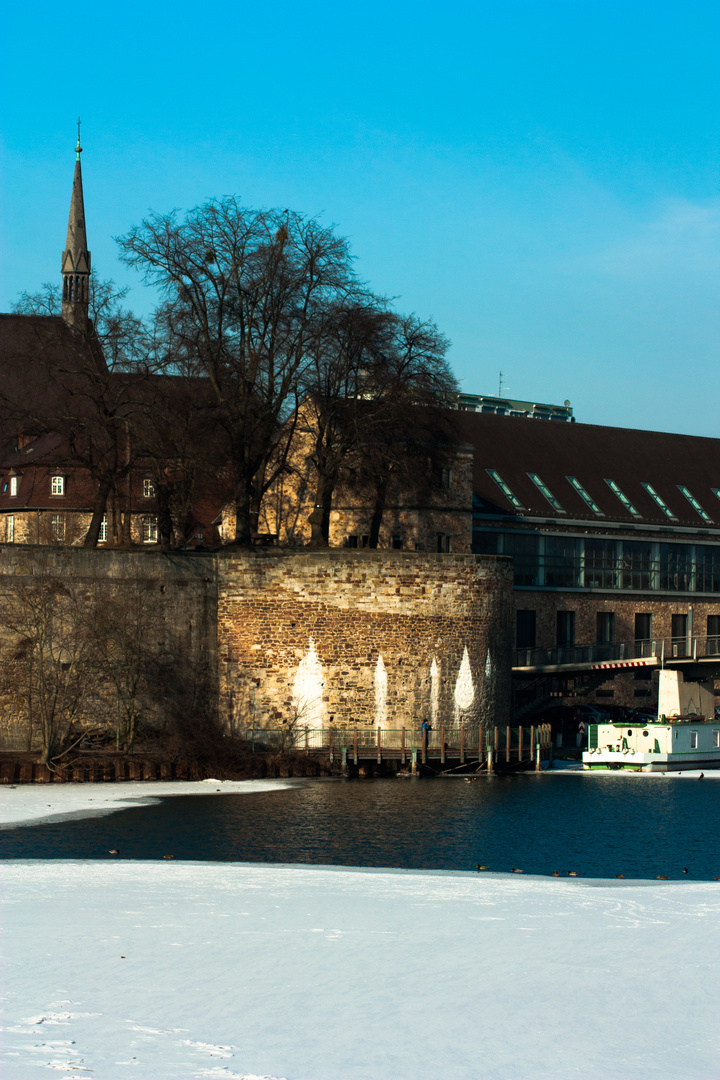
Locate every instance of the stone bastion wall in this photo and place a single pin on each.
(334, 636)
(373, 637)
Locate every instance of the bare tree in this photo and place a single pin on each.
(125, 634)
(372, 370)
(46, 656)
(242, 292)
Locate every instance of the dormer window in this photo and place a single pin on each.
(148, 489)
(57, 485)
(13, 485)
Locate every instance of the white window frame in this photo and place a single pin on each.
(57, 485)
(102, 535)
(58, 527)
(149, 527)
(693, 740)
(148, 489)
(13, 486)
(10, 529)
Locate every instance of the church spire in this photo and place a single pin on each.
(76, 257)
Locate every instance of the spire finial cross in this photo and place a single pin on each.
(78, 148)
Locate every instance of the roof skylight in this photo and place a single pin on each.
(507, 492)
(695, 504)
(586, 496)
(623, 498)
(660, 501)
(546, 492)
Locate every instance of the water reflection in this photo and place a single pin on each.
(598, 826)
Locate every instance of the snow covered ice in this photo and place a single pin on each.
(164, 970)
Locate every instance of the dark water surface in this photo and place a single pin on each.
(598, 826)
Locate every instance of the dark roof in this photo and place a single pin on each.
(515, 447)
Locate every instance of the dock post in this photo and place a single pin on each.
(344, 761)
(379, 745)
(520, 735)
(424, 747)
(414, 766)
(442, 745)
(491, 755)
(462, 745)
(307, 740)
(507, 743)
(548, 735)
(355, 744)
(402, 745)
(537, 757)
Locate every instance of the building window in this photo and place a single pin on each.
(57, 485)
(444, 543)
(623, 498)
(13, 485)
(542, 487)
(660, 501)
(506, 490)
(678, 631)
(149, 529)
(716, 738)
(693, 740)
(565, 629)
(526, 628)
(357, 541)
(713, 635)
(397, 541)
(102, 535)
(584, 495)
(10, 529)
(57, 526)
(445, 478)
(695, 504)
(605, 627)
(148, 489)
(643, 626)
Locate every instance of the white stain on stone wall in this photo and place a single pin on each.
(380, 693)
(434, 692)
(464, 688)
(307, 700)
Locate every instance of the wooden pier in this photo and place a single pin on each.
(496, 749)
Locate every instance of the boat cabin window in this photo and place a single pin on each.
(693, 740)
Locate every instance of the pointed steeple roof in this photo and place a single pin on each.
(76, 257)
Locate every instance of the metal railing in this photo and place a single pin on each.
(697, 647)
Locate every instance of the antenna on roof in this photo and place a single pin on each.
(502, 386)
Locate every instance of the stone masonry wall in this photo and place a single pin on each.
(351, 608)
(255, 616)
(184, 612)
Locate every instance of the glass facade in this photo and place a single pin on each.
(579, 562)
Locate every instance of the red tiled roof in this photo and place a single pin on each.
(517, 446)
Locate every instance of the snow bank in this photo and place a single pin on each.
(26, 804)
(165, 970)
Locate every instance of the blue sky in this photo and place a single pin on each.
(541, 178)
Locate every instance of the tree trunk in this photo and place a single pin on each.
(378, 511)
(93, 534)
(243, 521)
(320, 517)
